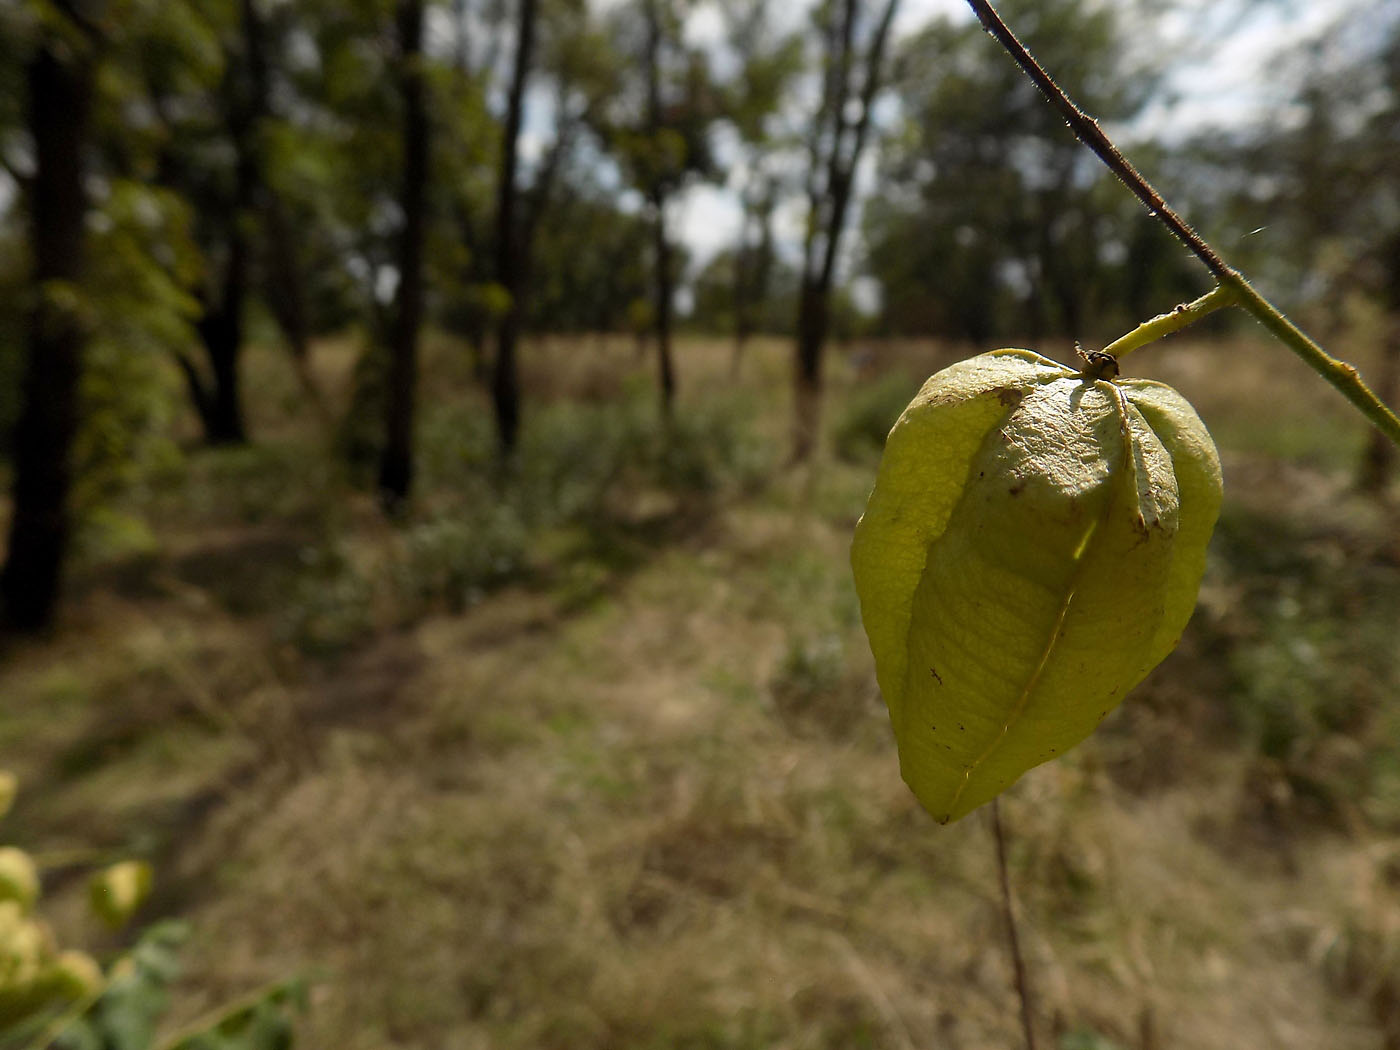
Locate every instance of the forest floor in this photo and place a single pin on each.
(597, 760)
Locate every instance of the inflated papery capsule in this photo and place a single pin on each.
(1032, 548)
(116, 892)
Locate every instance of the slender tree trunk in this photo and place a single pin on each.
(753, 271)
(221, 328)
(828, 209)
(1378, 461)
(814, 319)
(286, 298)
(284, 278)
(740, 289)
(221, 331)
(60, 86)
(505, 379)
(661, 245)
(812, 322)
(396, 460)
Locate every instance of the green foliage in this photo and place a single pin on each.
(141, 262)
(329, 604)
(660, 140)
(580, 470)
(1312, 659)
(1316, 187)
(456, 559)
(63, 999)
(866, 416)
(1086, 1039)
(1016, 231)
(592, 265)
(810, 683)
(137, 996)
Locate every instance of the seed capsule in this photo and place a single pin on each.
(1032, 548)
(119, 890)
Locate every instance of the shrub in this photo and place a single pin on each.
(869, 413)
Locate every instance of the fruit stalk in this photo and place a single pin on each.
(1165, 324)
(1008, 911)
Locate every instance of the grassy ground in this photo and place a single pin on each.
(600, 763)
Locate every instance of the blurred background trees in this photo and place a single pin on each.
(409, 390)
(493, 170)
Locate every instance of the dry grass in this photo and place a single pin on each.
(643, 797)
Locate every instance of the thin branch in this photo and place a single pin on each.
(1344, 378)
(1087, 130)
(1023, 990)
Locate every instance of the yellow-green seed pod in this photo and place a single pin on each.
(117, 892)
(74, 975)
(19, 879)
(9, 787)
(26, 951)
(1032, 548)
(34, 975)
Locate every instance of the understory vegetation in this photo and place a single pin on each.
(587, 752)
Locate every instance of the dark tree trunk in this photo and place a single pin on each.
(396, 461)
(221, 330)
(220, 401)
(829, 199)
(284, 279)
(1378, 461)
(753, 271)
(60, 85)
(661, 245)
(286, 298)
(505, 379)
(813, 319)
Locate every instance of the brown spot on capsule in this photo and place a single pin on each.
(1006, 395)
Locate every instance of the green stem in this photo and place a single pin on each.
(1343, 377)
(65, 1020)
(1165, 324)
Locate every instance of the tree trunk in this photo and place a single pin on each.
(813, 319)
(753, 270)
(666, 373)
(1378, 461)
(221, 327)
(828, 209)
(284, 278)
(221, 331)
(396, 460)
(505, 379)
(60, 84)
(661, 245)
